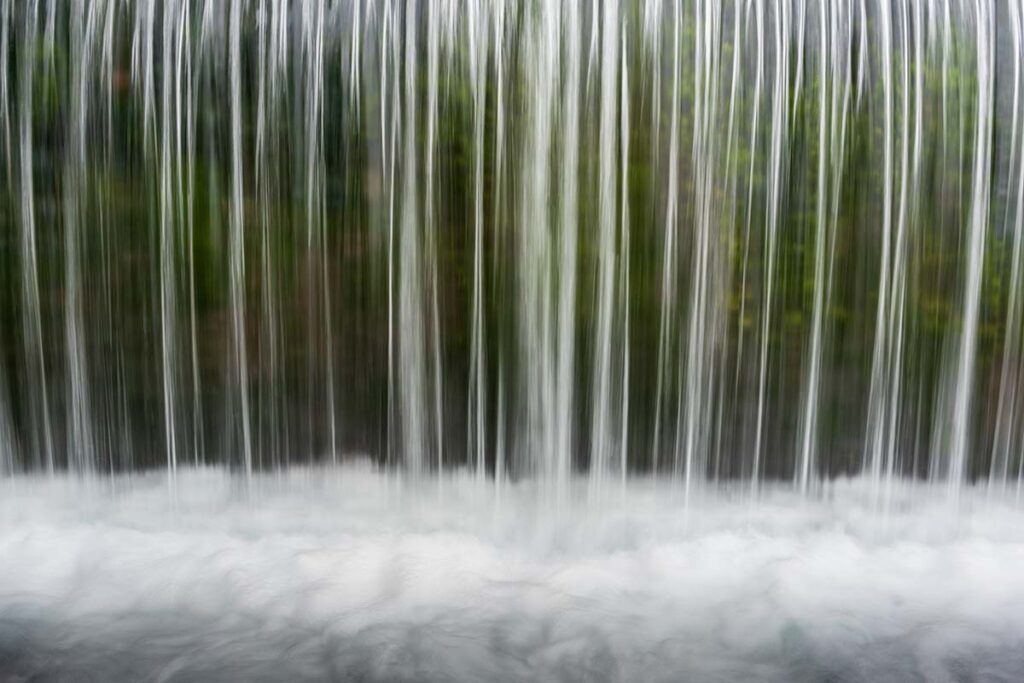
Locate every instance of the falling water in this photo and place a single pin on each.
(703, 333)
(544, 428)
(668, 266)
(7, 446)
(39, 426)
(476, 392)
(79, 434)
(963, 384)
(602, 445)
(412, 384)
(1008, 426)
(236, 240)
(737, 240)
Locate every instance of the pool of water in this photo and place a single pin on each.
(352, 574)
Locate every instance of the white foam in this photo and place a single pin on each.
(353, 574)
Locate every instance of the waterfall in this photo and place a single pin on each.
(544, 431)
(476, 391)
(36, 382)
(236, 241)
(963, 384)
(740, 240)
(1008, 425)
(601, 438)
(7, 446)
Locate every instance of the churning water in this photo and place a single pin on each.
(678, 339)
(350, 575)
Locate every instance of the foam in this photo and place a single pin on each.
(353, 574)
